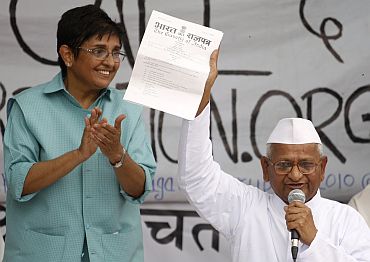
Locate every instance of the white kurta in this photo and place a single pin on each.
(361, 203)
(252, 220)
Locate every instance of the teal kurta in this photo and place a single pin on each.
(50, 225)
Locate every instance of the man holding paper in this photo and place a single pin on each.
(257, 223)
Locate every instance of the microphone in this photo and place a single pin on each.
(295, 195)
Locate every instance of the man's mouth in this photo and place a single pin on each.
(296, 186)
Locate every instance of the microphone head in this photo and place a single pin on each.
(296, 195)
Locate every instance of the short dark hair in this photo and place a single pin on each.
(79, 24)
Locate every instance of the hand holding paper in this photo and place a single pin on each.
(210, 81)
(172, 65)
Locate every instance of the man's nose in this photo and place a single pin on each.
(295, 174)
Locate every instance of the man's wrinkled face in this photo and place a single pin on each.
(307, 169)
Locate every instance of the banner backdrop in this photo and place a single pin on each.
(288, 58)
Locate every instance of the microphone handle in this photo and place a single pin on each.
(294, 234)
(294, 238)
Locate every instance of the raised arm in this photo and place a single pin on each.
(218, 197)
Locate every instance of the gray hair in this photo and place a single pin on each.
(268, 150)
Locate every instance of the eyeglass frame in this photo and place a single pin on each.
(294, 164)
(91, 51)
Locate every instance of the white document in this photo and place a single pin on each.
(172, 65)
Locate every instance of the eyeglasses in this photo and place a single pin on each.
(101, 54)
(284, 167)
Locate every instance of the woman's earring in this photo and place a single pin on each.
(68, 64)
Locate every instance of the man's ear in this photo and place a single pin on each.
(66, 54)
(265, 168)
(324, 161)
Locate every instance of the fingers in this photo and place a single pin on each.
(118, 121)
(296, 224)
(213, 59)
(87, 146)
(102, 142)
(296, 208)
(87, 122)
(109, 130)
(297, 215)
(213, 73)
(106, 134)
(293, 218)
(209, 83)
(95, 115)
(108, 139)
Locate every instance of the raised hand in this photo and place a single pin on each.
(88, 145)
(213, 72)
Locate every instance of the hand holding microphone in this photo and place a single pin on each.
(299, 220)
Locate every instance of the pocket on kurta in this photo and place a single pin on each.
(122, 247)
(42, 247)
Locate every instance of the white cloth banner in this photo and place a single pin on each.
(278, 59)
(176, 231)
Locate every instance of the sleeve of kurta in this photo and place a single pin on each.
(352, 245)
(140, 151)
(21, 151)
(218, 197)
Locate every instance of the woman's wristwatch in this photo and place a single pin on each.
(120, 162)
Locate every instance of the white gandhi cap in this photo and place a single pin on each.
(294, 131)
